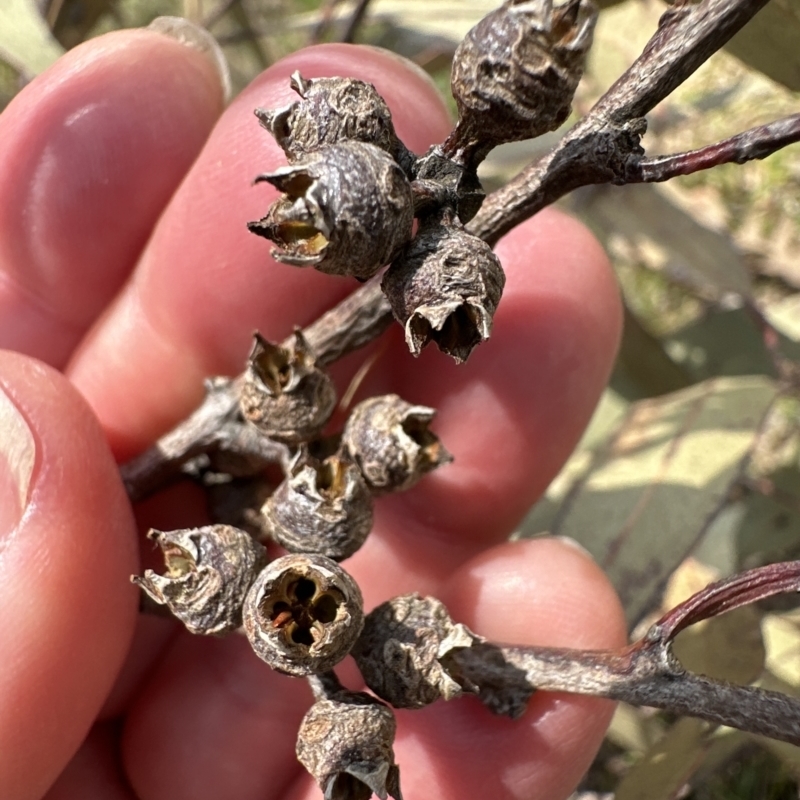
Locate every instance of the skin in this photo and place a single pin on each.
(126, 276)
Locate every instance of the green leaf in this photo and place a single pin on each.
(652, 491)
(25, 40)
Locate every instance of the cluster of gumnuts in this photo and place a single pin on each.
(350, 195)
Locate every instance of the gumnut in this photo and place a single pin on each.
(345, 742)
(303, 614)
(411, 654)
(208, 573)
(390, 441)
(515, 73)
(329, 111)
(445, 287)
(347, 209)
(284, 393)
(322, 507)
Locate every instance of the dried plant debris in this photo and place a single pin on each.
(322, 507)
(345, 742)
(284, 393)
(445, 288)
(330, 111)
(411, 654)
(303, 614)
(515, 73)
(390, 441)
(347, 209)
(208, 573)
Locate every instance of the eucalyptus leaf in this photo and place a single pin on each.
(651, 492)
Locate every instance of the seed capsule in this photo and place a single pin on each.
(445, 287)
(345, 742)
(401, 648)
(303, 614)
(411, 654)
(515, 73)
(322, 507)
(284, 393)
(389, 440)
(209, 571)
(347, 209)
(329, 111)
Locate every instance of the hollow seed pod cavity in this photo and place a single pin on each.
(303, 614)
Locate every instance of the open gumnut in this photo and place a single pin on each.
(346, 209)
(208, 573)
(303, 614)
(284, 393)
(322, 507)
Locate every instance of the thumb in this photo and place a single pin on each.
(67, 548)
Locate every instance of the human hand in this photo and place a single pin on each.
(125, 263)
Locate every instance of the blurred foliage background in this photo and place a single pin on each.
(690, 469)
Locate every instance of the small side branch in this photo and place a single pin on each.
(604, 146)
(755, 143)
(647, 673)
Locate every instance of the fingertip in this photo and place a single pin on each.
(68, 606)
(92, 150)
(547, 590)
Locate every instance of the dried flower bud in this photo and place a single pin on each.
(303, 614)
(347, 210)
(345, 742)
(515, 73)
(389, 440)
(445, 287)
(411, 654)
(322, 507)
(329, 111)
(284, 393)
(209, 571)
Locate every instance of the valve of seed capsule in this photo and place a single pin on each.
(208, 573)
(346, 209)
(345, 742)
(322, 507)
(390, 441)
(303, 614)
(284, 393)
(515, 73)
(445, 287)
(330, 111)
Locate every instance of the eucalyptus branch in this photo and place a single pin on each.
(647, 673)
(604, 146)
(756, 143)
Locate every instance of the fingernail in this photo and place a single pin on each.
(17, 457)
(198, 39)
(575, 545)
